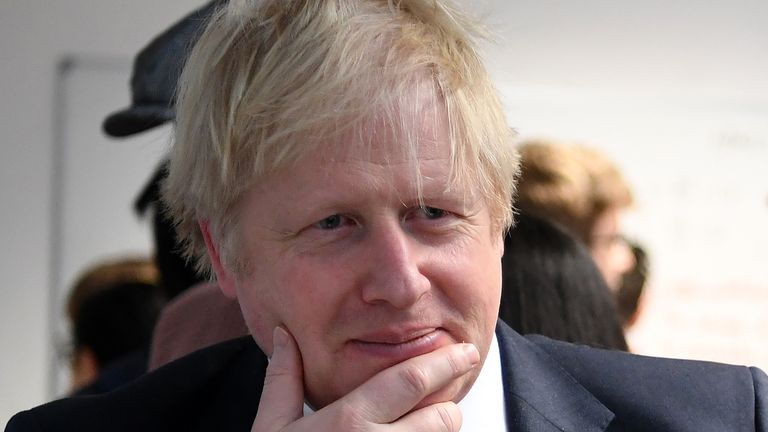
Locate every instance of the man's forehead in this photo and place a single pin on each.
(385, 169)
(393, 138)
(412, 140)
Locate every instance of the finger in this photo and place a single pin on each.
(282, 398)
(440, 417)
(394, 391)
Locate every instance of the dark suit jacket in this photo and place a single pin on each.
(116, 374)
(548, 386)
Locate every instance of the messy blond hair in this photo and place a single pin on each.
(269, 82)
(570, 184)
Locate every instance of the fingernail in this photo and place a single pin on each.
(472, 353)
(279, 339)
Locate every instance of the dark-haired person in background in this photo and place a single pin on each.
(156, 71)
(551, 286)
(112, 309)
(198, 314)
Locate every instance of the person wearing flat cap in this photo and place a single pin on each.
(154, 78)
(198, 315)
(345, 170)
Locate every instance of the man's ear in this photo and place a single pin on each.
(224, 277)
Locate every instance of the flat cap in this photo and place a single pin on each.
(156, 71)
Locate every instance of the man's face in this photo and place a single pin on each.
(345, 258)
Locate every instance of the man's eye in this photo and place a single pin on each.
(331, 222)
(433, 213)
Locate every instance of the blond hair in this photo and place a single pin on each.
(570, 184)
(270, 81)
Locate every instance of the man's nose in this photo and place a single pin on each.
(394, 267)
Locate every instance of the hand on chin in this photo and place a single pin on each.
(418, 393)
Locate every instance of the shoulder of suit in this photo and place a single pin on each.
(577, 357)
(165, 399)
(664, 389)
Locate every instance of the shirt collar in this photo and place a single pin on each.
(482, 408)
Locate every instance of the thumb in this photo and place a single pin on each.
(282, 398)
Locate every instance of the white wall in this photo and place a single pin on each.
(686, 50)
(677, 94)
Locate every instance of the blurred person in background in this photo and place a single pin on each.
(581, 190)
(551, 286)
(198, 314)
(112, 310)
(156, 69)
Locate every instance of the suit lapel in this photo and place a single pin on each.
(541, 396)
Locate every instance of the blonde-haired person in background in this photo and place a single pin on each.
(583, 191)
(345, 170)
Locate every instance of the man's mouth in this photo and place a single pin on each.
(395, 347)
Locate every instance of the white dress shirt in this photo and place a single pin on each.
(482, 409)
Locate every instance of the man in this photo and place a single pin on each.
(344, 168)
(198, 315)
(154, 79)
